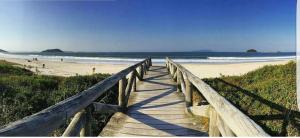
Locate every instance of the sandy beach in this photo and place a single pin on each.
(71, 69)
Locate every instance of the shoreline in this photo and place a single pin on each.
(63, 68)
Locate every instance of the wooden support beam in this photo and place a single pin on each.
(122, 87)
(134, 85)
(145, 69)
(188, 92)
(175, 75)
(75, 126)
(182, 83)
(213, 126)
(106, 108)
(178, 80)
(150, 62)
(138, 76)
(129, 87)
(88, 123)
(142, 71)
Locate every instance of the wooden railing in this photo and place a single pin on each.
(224, 118)
(81, 105)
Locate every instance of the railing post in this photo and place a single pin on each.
(88, 123)
(188, 92)
(145, 68)
(213, 126)
(134, 84)
(142, 71)
(178, 80)
(75, 127)
(150, 61)
(122, 87)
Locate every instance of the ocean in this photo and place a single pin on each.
(157, 57)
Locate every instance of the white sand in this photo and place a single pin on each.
(68, 68)
(201, 70)
(215, 70)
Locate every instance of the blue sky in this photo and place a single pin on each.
(148, 25)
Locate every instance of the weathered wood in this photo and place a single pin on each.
(106, 108)
(182, 83)
(59, 113)
(138, 75)
(178, 80)
(188, 93)
(238, 122)
(145, 69)
(213, 126)
(224, 129)
(156, 109)
(142, 71)
(88, 123)
(75, 126)
(121, 97)
(129, 87)
(202, 110)
(174, 77)
(134, 85)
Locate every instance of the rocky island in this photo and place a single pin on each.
(251, 51)
(52, 51)
(3, 51)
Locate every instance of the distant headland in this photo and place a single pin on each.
(2, 51)
(53, 51)
(251, 51)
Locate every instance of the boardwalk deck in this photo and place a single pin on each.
(155, 109)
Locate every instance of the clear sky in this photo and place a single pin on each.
(148, 25)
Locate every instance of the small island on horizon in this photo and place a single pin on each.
(2, 51)
(52, 51)
(251, 51)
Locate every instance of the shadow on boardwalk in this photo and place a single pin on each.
(156, 109)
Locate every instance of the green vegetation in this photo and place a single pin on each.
(24, 93)
(267, 95)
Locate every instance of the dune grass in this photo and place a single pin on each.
(267, 95)
(24, 93)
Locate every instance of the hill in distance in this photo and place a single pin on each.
(52, 51)
(3, 51)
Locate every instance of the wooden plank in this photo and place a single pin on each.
(156, 132)
(161, 117)
(60, 112)
(159, 111)
(160, 126)
(238, 122)
(148, 120)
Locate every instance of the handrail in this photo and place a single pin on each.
(49, 119)
(222, 111)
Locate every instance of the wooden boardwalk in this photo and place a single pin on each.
(155, 109)
(156, 106)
